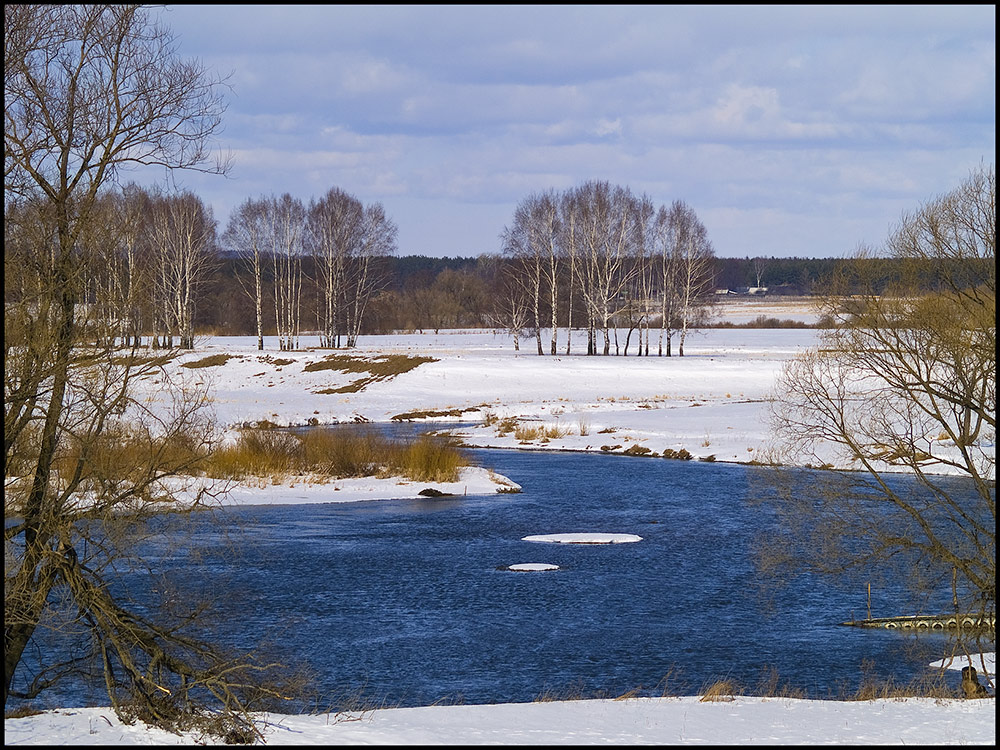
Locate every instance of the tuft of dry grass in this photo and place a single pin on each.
(721, 691)
(524, 432)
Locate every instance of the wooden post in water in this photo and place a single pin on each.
(869, 600)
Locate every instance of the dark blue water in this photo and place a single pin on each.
(405, 599)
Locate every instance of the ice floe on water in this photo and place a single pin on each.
(529, 567)
(583, 538)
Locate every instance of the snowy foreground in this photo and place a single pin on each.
(712, 402)
(639, 721)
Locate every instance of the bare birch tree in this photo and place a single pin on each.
(532, 238)
(334, 237)
(285, 225)
(182, 236)
(695, 262)
(569, 247)
(367, 274)
(246, 235)
(666, 262)
(608, 224)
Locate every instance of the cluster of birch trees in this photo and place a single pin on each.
(152, 253)
(343, 239)
(143, 257)
(625, 264)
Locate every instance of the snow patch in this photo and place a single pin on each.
(583, 538)
(527, 567)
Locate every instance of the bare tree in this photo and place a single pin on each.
(182, 236)
(569, 245)
(366, 272)
(89, 91)
(609, 226)
(285, 224)
(246, 235)
(906, 381)
(511, 311)
(759, 264)
(532, 238)
(334, 236)
(694, 261)
(666, 261)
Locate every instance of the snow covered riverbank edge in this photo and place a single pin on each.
(634, 721)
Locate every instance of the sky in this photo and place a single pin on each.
(791, 131)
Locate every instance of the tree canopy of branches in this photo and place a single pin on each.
(610, 249)
(88, 92)
(342, 243)
(906, 381)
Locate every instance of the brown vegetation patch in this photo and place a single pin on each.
(213, 360)
(382, 367)
(408, 416)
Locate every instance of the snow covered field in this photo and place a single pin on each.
(711, 402)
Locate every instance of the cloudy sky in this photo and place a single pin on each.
(791, 131)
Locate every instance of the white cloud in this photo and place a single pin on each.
(828, 121)
(609, 127)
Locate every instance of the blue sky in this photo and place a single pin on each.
(791, 130)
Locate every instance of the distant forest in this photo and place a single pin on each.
(428, 293)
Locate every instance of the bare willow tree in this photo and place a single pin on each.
(906, 381)
(88, 92)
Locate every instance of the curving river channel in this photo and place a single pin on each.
(409, 601)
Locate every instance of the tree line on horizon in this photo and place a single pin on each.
(161, 271)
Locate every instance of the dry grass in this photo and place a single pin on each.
(21, 712)
(333, 454)
(721, 691)
(382, 367)
(214, 360)
(525, 433)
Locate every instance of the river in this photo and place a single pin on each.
(410, 603)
